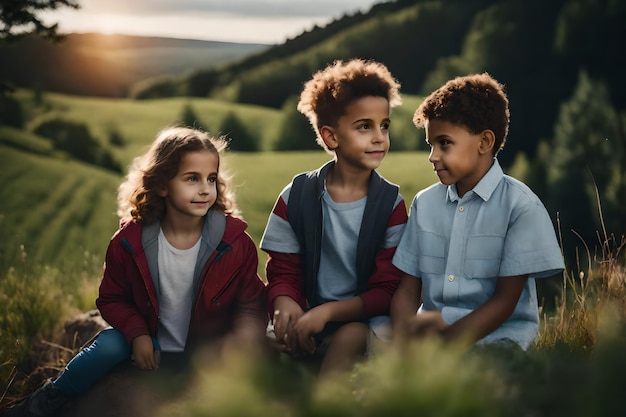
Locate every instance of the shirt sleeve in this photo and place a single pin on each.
(530, 245)
(278, 235)
(283, 268)
(406, 257)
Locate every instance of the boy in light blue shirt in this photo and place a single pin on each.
(475, 242)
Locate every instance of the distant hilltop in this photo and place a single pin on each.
(96, 64)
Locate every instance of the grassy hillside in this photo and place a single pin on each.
(138, 121)
(59, 209)
(54, 210)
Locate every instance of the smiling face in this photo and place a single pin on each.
(360, 138)
(458, 156)
(193, 190)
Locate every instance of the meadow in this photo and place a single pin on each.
(57, 215)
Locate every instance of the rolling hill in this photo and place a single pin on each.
(108, 65)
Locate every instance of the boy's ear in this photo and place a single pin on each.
(328, 136)
(487, 141)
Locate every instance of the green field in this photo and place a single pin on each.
(139, 121)
(61, 209)
(57, 210)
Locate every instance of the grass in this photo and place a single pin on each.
(56, 209)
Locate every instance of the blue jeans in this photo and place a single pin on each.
(107, 350)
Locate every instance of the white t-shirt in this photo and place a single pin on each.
(176, 269)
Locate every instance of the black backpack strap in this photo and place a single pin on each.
(305, 217)
(294, 204)
(381, 199)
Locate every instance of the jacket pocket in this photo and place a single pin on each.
(483, 256)
(218, 299)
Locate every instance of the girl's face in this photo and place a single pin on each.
(455, 154)
(193, 190)
(361, 137)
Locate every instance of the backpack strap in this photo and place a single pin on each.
(381, 198)
(304, 210)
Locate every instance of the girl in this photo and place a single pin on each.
(180, 270)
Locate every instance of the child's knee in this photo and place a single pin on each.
(352, 334)
(110, 343)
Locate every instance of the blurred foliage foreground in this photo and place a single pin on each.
(576, 368)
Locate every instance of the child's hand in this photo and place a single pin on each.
(311, 323)
(144, 354)
(286, 313)
(426, 323)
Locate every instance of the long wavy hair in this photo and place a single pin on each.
(138, 196)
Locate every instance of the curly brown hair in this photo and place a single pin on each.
(138, 197)
(476, 101)
(327, 94)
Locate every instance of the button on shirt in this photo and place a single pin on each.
(460, 246)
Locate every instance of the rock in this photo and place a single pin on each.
(81, 328)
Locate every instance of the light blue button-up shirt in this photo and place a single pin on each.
(460, 246)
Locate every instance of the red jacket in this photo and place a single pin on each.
(230, 296)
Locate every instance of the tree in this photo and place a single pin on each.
(295, 132)
(115, 137)
(239, 137)
(11, 113)
(189, 118)
(18, 18)
(587, 155)
(75, 139)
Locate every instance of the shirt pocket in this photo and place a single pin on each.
(483, 256)
(432, 250)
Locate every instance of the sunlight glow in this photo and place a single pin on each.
(207, 26)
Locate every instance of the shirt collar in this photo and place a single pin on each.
(485, 186)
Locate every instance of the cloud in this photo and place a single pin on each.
(257, 8)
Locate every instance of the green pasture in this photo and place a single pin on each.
(57, 210)
(54, 210)
(138, 121)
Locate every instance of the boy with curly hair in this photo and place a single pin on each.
(475, 242)
(333, 231)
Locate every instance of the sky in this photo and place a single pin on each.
(248, 21)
